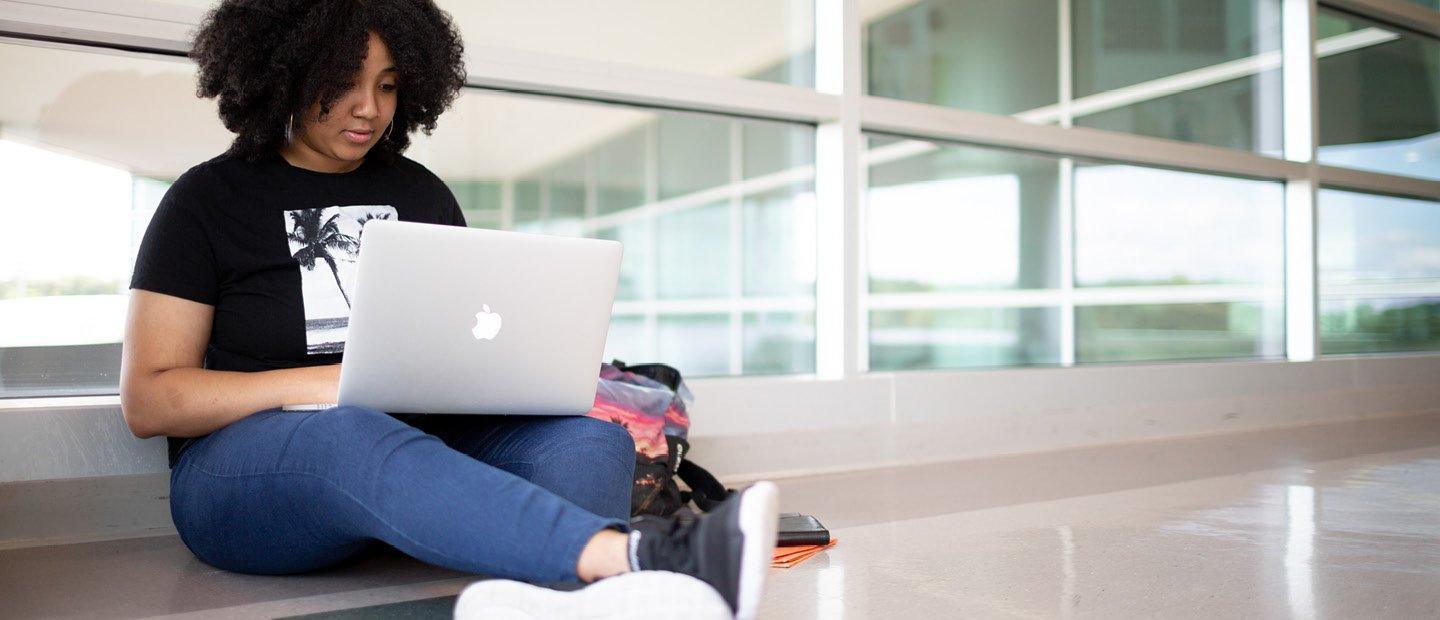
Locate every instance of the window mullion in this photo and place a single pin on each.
(838, 330)
(1302, 336)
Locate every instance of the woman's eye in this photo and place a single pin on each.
(389, 88)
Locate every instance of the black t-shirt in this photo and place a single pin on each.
(273, 248)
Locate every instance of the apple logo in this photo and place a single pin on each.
(487, 324)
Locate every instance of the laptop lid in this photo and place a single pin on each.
(448, 319)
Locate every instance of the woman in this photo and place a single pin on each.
(240, 297)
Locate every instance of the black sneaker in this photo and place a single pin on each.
(729, 547)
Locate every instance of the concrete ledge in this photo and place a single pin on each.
(760, 429)
(79, 510)
(73, 442)
(978, 413)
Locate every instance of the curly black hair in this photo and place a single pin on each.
(266, 60)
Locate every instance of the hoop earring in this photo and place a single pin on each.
(388, 130)
(290, 130)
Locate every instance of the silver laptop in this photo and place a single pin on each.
(462, 320)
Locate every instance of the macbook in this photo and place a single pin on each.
(456, 320)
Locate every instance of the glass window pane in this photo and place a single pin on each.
(768, 148)
(954, 218)
(770, 40)
(620, 171)
(1379, 324)
(626, 340)
(956, 234)
(1204, 71)
(528, 214)
(1379, 262)
(693, 252)
(779, 342)
(634, 235)
(963, 338)
(694, 153)
(982, 55)
(779, 243)
(697, 344)
(1196, 261)
(92, 175)
(566, 190)
(480, 202)
(1147, 226)
(476, 195)
(1141, 332)
(1365, 238)
(1379, 97)
(485, 219)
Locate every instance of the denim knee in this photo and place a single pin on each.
(587, 461)
(346, 434)
(608, 438)
(561, 445)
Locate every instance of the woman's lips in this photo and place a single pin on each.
(357, 137)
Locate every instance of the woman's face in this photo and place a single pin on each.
(339, 141)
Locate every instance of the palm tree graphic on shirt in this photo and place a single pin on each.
(318, 238)
(332, 236)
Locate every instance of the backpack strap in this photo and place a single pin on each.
(663, 373)
(705, 490)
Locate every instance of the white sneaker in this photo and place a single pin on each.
(642, 594)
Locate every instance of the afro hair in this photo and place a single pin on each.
(266, 60)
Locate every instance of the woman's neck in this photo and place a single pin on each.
(300, 155)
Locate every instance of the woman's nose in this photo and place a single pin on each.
(367, 104)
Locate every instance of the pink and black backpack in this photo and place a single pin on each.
(650, 401)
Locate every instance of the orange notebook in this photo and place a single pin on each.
(787, 557)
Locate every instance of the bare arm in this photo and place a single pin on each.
(164, 391)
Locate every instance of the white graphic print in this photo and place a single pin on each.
(326, 244)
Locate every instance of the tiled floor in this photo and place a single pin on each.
(1334, 521)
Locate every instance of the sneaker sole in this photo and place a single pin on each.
(759, 514)
(631, 595)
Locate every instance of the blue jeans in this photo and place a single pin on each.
(506, 496)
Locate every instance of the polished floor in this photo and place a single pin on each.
(1335, 521)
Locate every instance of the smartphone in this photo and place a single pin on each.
(800, 529)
